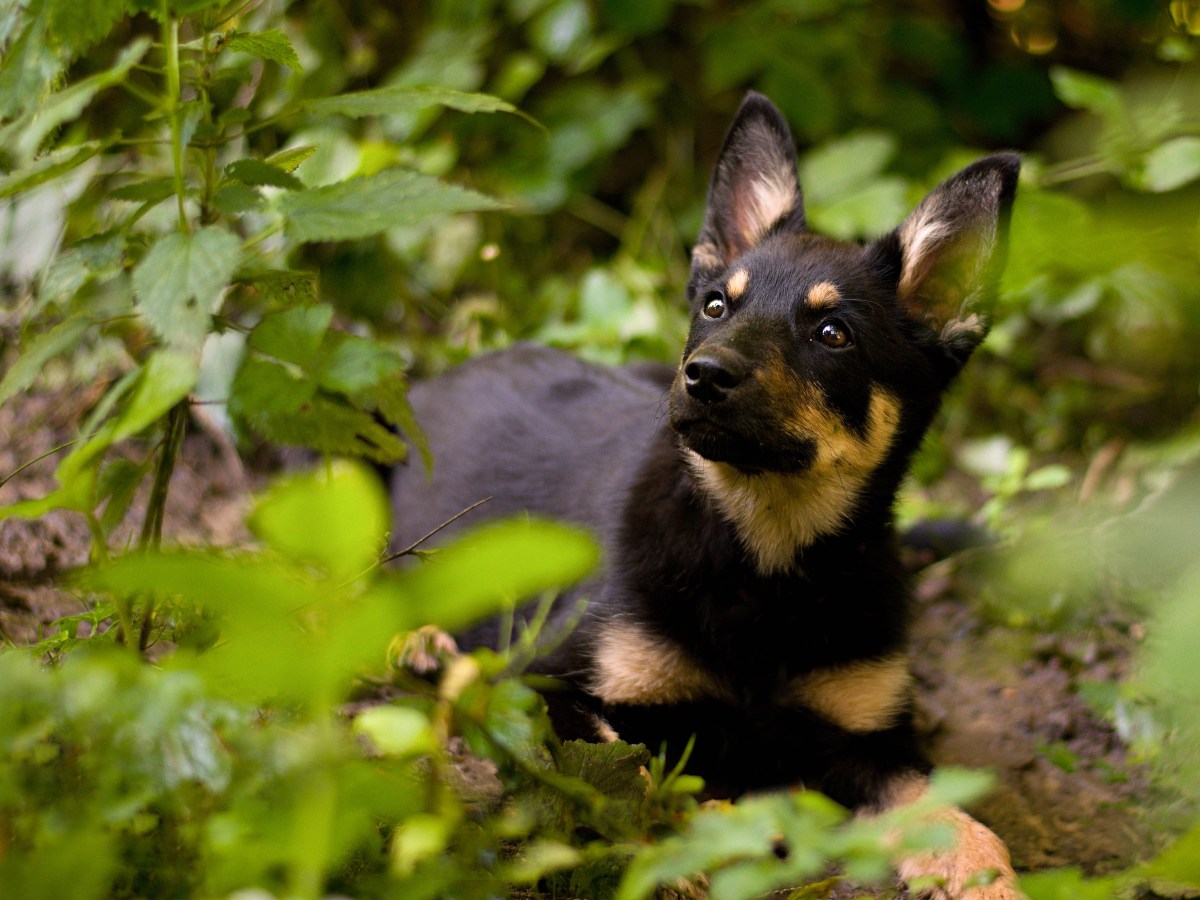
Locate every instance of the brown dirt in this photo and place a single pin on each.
(988, 696)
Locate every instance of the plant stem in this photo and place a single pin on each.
(171, 49)
(151, 537)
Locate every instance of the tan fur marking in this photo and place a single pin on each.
(633, 667)
(860, 696)
(606, 732)
(823, 295)
(771, 196)
(976, 853)
(919, 238)
(776, 514)
(736, 286)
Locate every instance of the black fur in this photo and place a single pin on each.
(765, 395)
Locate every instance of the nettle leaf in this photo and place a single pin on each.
(26, 133)
(263, 389)
(294, 335)
(272, 45)
(53, 164)
(327, 425)
(365, 206)
(281, 287)
(77, 24)
(178, 284)
(257, 173)
(95, 258)
(393, 100)
(118, 483)
(29, 64)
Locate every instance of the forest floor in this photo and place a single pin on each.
(989, 696)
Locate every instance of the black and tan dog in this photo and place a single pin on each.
(751, 592)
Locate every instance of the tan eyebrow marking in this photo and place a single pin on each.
(823, 295)
(736, 286)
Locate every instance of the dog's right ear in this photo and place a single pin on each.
(754, 187)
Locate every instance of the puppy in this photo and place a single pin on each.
(751, 592)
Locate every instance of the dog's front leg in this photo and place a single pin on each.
(961, 872)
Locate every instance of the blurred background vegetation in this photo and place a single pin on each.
(1074, 437)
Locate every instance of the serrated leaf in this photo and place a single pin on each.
(263, 390)
(62, 337)
(257, 173)
(272, 45)
(235, 199)
(397, 99)
(352, 364)
(178, 284)
(293, 335)
(291, 159)
(47, 168)
(77, 24)
(328, 426)
(29, 64)
(365, 206)
(281, 287)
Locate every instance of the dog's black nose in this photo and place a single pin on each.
(712, 374)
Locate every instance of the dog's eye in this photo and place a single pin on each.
(715, 306)
(834, 334)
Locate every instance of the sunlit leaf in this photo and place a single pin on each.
(1173, 164)
(335, 516)
(398, 99)
(293, 335)
(272, 45)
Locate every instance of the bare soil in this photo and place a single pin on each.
(991, 697)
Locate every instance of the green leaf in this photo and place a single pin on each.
(394, 100)
(281, 287)
(118, 483)
(47, 168)
(77, 24)
(26, 133)
(1082, 90)
(396, 730)
(1170, 165)
(179, 282)
(335, 516)
(323, 423)
(1067, 884)
(840, 168)
(1180, 862)
(29, 64)
(493, 567)
(365, 206)
(263, 390)
(291, 159)
(256, 172)
(354, 364)
(62, 337)
(272, 45)
(147, 190)
(293, 335)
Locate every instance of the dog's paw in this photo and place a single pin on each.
(423, 652)
(977, 868)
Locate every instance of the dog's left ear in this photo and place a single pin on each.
(949, 253)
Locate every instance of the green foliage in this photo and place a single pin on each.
(284, 179)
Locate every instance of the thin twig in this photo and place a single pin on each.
(407, 551)
(37, 459)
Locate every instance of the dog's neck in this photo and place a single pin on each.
(776, 514)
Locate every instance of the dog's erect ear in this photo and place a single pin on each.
(951, 251)
(753, 186)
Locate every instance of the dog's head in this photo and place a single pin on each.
(808, 352)
(803, 347)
